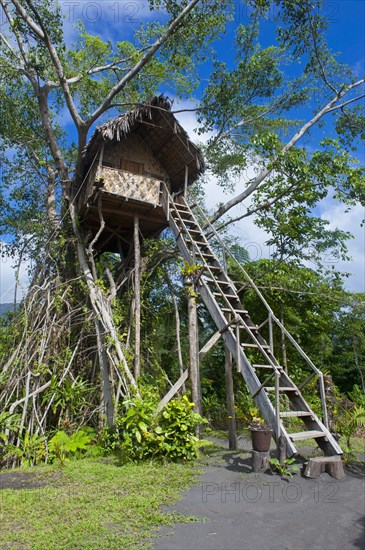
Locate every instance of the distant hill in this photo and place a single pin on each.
(5, 307)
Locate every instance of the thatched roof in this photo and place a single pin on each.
(154, 122)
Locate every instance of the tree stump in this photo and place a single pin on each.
(260, 461)
(330, 464)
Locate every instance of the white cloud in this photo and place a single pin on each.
(349, 221)
(8, 280)
(188, 119)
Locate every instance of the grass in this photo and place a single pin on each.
(92, 504)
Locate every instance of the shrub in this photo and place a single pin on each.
(348, 424)
(169, 435)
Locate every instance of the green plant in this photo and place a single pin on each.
(214, 408)
(357, 395)
(145, 434)
(258, 424)
(30, 450)
(348, 424)
(285, 469)
(10, 424)
(62, 446)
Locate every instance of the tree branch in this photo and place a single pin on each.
(173, 27)
(317, 54)
(255, 182)
(346, 103)
(26, 17)
(28, 72)
(94, 70)
(59, 69)
(264, 206)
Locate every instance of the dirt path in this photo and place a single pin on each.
(242, 510)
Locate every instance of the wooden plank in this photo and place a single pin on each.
(310, 434)
(295, 414)
(175, 388)
(208, 346)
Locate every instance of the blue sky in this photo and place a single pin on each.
(117, 20)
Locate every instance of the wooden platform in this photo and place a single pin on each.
(118, 213)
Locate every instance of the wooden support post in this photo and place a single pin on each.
(208, 346)
(101, 156)
(175, 388)
(283, 342)
(331, 464)
(231, 413)
(282, 450)
(103, 362)
(137, 299)
(194, 350)
(271, 334)
(186, 181)
(178, 340)
(260, 461)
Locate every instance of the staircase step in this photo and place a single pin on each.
(229, 310)
(218, 282)
(253, 346)
(295, 414)
(189, 221)
(255, 328)
(201, 244)
(216, 268)
(228, 296)
(264, 367)
(310, 434)
(282, 388)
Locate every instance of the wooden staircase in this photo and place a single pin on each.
(274, 392)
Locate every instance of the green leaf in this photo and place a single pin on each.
(143, 427)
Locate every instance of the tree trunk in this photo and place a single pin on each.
(231, 413)
(137, 299)
(178, 340)
(194, 352)
(358, 366)
(103, 361)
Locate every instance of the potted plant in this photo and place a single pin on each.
(260, 435)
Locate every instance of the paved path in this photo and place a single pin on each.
(242, 510)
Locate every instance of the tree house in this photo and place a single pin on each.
(138, 168)
(128, 162)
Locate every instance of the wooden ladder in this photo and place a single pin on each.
(266, 379)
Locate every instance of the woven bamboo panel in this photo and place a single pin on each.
(126, 184)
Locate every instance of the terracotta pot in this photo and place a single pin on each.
(261, 440)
